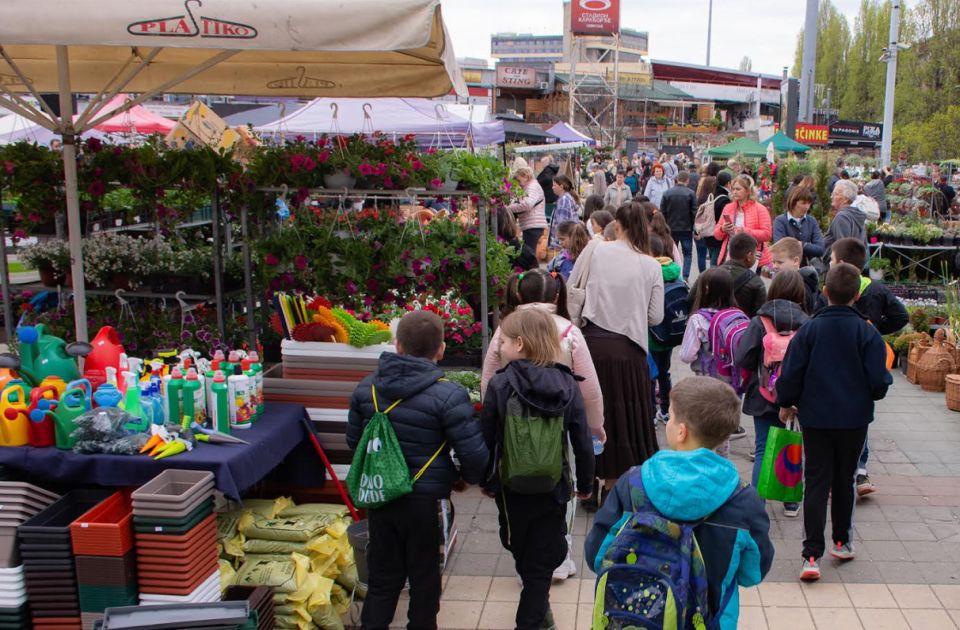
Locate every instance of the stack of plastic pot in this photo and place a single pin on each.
(175, 531)
(18, 502)
(260, 599)
(106, 565)
(47, 552)
(216, 616)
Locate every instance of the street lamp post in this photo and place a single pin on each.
(890, 56)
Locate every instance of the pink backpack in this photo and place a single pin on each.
(726, 332)
(775, 345)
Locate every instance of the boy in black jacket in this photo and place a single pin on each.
(405, 533)
(748, 288)
(536, 392)
(834, 407)
(882, 309)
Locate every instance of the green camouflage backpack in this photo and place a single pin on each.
(532, 457)
(379, 473)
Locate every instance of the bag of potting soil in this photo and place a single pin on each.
(340, 599)
(299, 529)
(285, 577)
(337, 528)
(337, 510)
(228, 575)
(287, 622)
(266, 557)
(348, 577)
(268, 508)
(257, 545)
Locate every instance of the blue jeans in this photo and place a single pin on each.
(685, 241)
(762, 424)
(662, 360)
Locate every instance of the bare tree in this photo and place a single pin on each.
(746, 65)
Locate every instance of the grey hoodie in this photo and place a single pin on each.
(848, 222)
(786, 316)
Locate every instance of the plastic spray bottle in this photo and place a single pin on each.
(208, 386)
(131, 404)
(238, 385)
(257, 368)
(220, 410)
(193, 398)
(174, 411)
(107, 395)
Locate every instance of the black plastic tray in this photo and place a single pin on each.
(57, 518)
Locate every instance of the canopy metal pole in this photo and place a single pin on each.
(217, 260)
(248, 278)
(484, 298)
(73, 200)
(5, 279)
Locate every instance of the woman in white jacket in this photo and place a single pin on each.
(657, 185)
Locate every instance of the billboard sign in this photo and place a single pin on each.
(595, 17)
(854, 133)
(516, 77)
(812, 134)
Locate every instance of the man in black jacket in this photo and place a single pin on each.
(405, 533)
(545, 179)
(679, 207)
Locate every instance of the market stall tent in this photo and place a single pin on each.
(566, 133)
(782, 143)
(432, 123)
(740, 146)
(297, 48)
(136, 119)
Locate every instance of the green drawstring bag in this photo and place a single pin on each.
(781, 473)
(379, 472)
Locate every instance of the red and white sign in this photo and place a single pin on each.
(812, 134)
(595, 17)
(512, 76)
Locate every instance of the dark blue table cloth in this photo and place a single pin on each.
(236, 467)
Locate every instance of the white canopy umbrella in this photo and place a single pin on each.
(281, 48)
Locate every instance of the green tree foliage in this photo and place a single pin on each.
(937, 138)
(928, 73)
(833, 44)
(865, 75)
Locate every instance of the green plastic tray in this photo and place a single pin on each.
(175, 530)
(205, 509)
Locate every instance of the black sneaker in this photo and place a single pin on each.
(864, 486)
(739, 433)
(548, 622)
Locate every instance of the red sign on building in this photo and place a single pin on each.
(595, 17)
(812, 134)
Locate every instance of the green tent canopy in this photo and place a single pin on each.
(782, 143)
(740, 146)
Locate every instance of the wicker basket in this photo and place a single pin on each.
(952, 388)
(914, 354)
(935, 364)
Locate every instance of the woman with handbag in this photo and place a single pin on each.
(531, 209)
(615, 295)
(744, 214)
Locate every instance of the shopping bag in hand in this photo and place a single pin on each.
(781, 474)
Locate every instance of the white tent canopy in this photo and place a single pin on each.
(432, 122)
(280, 48)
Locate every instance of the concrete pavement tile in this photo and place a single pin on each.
(481, 542)
(751, 618)
(929, 620)
(889, 457)
(913, 531)
(949, 595)
(504, 589)
(949, 456)
(400, 614)
(955, 615)
(926, 551)
(880, 619)
(466, 505)
(857, 572)
(784, 570)
(906, 572)
(944, 531)
(498, 616)
(584, 616)
(870, 596)
(884, 550)
(565, 615)
(481, 564)
(793, 618)
(505, 567)
(933, 514)
(933, 469)
(821, 595)
(922, 457)
(781, 594)
(459, 615)
(566, 592)
(749, 596)
(893, 513)
(836, 619)
(467, 588)
(484, 523)
(874, 530)
(908, 470)
(868, 512)
(940, 572)
(488, 506)
(914, 596)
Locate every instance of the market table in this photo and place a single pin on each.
(236, 468)
(921, 255)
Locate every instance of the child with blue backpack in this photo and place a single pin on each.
(685, 510)
(668, 334)
(531, 408)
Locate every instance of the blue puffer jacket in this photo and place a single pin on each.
(688, 486)
(431, 412)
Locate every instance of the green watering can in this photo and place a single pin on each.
(73, 404)
(43, 355)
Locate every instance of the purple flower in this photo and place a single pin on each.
(300, 262)
(271, 260)
(351, 287)
(186, 335)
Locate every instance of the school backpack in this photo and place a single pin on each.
(706, 219)
(378, 472)
(651, 574)
(726, 332)
(775, 345)
(676, 309)
(532, 457)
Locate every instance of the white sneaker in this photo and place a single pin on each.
(567, 568)
(662, 418)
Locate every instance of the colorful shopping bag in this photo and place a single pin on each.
(781, 474)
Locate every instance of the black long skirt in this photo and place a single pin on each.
(627, 401)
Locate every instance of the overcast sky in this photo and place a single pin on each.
(764, 30)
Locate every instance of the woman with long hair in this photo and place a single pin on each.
(623, 288)
(567, 208)
(744, 214)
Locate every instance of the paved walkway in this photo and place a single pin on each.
(906, 575)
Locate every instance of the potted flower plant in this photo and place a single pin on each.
(51, 258)
(113, 260)
(878, 266)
